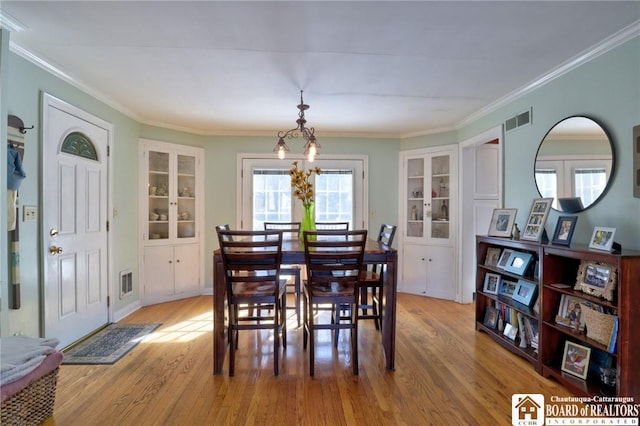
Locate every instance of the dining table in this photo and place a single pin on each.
(293, 254)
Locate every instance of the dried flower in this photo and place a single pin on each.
(300, 181)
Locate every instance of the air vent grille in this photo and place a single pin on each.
(518, 120)
(126, 283)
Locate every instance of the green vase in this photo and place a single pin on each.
(308, 219)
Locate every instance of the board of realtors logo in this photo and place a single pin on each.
(527, 409)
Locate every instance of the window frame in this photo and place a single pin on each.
(244, 187)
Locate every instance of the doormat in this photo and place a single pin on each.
(109, 344)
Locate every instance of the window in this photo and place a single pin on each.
(584, 178)
(266, 192)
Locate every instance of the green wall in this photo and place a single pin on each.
(607, 88)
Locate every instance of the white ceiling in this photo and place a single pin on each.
(386, 69)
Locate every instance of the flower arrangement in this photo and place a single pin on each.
(300, 181)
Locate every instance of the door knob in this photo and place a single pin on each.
(53, 232)
(55, 250)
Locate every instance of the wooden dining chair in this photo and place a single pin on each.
(251, 262)
(290, 230)
(332, 226)
(372, 280)
(334, 264)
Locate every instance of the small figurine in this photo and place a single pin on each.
(515, 234)
(414, 213)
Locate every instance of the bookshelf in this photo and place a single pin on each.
(555, 278)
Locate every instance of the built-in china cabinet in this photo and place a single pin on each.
(171, 220)
(428, 221)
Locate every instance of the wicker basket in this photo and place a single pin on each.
(33, 404)
(599, 325)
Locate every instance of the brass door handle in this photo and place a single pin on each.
(55, 250)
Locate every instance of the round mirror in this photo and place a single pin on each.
(574, 164)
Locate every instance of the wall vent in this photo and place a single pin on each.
(126, 284)
(518, 120)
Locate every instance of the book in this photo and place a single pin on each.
(614, 337)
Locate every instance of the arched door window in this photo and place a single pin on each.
(76, 143)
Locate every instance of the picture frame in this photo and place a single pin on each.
(492, 257)
(602, 238)
(504, 258)
(534, 226)
(491, 283)
(502, 221)
(491, 316)
(525, 292)
(564, 230)
(575, 359)
(570, 313)
(597, 279)
(507, 288)
(518, 263)
(510, 331)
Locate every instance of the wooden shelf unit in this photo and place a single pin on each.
(560, 264)
(486, 299)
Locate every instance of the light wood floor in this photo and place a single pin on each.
(446, 374)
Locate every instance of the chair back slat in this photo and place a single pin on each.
(386, 234)
(334, 256)
(290, 230)
(250, 256)
(332, 226)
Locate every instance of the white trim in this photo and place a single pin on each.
(241, 157)
(587, 55)
(49, 100)
(580, 59)
(126, 311)
(464, 263)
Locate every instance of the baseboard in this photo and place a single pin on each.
(126, 311)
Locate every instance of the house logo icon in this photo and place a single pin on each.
(527, 409)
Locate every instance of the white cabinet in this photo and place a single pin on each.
(428, 271)
(171, 270)
(171, 218)
(428, 221)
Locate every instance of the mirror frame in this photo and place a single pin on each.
(613, 160)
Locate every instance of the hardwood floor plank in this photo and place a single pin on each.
(446, 373)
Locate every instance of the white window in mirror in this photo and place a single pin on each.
(579, 177)
(589, 183)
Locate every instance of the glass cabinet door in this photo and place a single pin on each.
(158, 195)
(415, 197)
(186, 202)
(440, 196)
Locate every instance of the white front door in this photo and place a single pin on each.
(74, 219)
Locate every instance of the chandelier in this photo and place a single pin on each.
(311, 145)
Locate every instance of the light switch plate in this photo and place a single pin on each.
(29, 213)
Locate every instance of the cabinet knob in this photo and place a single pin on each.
(170, 261)
(177, 260)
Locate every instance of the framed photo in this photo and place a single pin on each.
(564, 230)
(507, 288)
(575, 359)
(502, 222)
(504, 258)
(534, 227)
(518, 262)
(491, 317)
(602, 238)
(510, 331)
(525, 292)
(570, 313)
(491, 283)
(493, 255)
(597, 279)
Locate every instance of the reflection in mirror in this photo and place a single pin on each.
(574, 164)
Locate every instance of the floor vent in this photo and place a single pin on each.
(518, 120)
(126, 283)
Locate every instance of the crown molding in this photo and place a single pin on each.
(10, 23)
(628, 33)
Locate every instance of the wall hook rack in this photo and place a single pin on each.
(17, 122)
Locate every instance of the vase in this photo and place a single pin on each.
(308, 219)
